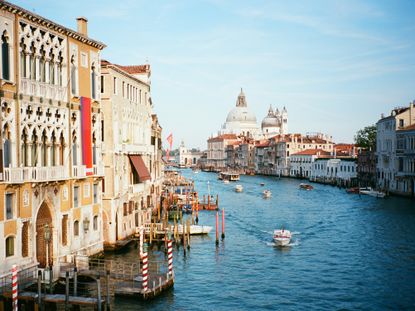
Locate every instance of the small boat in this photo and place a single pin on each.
(195, 229)
(267, 194)
(187, 208)
(306, 186)
(262, 184)
(196, 171)
(371, 192)
(239, 188)
(282, 237)
(353, 190)
(226, 181)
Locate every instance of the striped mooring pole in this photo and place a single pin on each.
(145, 268)
(14, 288)
(141, 242)
(170, 256)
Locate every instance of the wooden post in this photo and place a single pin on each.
(209, 202)
(183, 228)
(108, 298)
(223, 223)
(217, 201)
(39, 289)
(75, 281)
(188, 233)
(184, 239)
(67, 290)
(217, 228)
(98, 294)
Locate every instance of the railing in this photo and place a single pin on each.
(42, 89)
(34, 174)
(79, 171)
(98, 170)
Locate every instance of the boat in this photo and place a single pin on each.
(228, 176)
(353, 190)
(371, 192)
(282, 237)
(195, 229)
(226, 181)
(262, 184)
(187, 208)
(306, 186)
(239, 188)
(267, 194)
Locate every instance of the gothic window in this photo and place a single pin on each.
(61, 149)
(32, 62)
(5, 53)
(10, 246)
(94, 149)
(9, 198)
(42, 65)
(53, 149)
(73, 76)
(93, 82)
(52, 70)
(74, 149)
(7, 157)
(76, 228)
(95, 223)
(44, 154)
(35, 148)
(59, 68)
(24, 149)
(23, 59)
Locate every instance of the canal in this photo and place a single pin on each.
(347, 252)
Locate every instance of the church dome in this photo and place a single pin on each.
(241, 113)
(271, 120)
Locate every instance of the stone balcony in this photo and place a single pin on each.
(18, 175)
(79, 171)
(98, 170)
(42, 89)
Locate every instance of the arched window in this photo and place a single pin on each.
(23, 59)
(42, 65)
(35, 148)
(44, 155)
(95, 223)
(93, 82)
(53, 150)
(5, 54)
(32, 62)
(24, 149)
(73, 76)
(94, 149)
(52, 70)
(7, 157)
(74, 150)
(61, 149)
(10, 246)
(59, 74)
(76, 228)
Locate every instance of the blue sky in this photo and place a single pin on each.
(335, 65)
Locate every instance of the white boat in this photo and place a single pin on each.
(226, 181)
(239, 188)
(282, 237)
(371, 192)
(195, 229)
(267, 194)
(228, 176)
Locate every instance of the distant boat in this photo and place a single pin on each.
(371, 192)
(239, 188)
(226, 181)
(267, 194)
(228, 176)
(282, 237)
(262, 184)
(306, 186)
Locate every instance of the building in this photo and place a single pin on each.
(388, 162)
(366, 168)
(132, 154)
(216, 157)
(405, 152)
(336, 171)
(51, 206)
(186, 157)
(302, 162)
(275, 123)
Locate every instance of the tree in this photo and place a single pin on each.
(366, 138)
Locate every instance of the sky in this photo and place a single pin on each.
(335, 65)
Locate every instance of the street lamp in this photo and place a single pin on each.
(47, 240)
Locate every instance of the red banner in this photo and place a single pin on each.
(86, 124)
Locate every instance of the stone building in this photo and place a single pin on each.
(132, 140)
(186, 157)
(50, 191)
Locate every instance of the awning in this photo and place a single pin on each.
(140, 167)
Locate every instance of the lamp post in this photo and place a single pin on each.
(47, 240)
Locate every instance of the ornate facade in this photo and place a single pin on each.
(51, 141)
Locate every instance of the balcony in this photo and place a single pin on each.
(19, 175)
(79, 171)
(42, 89)
(98, 170)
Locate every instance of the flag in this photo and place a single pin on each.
(86, 134)
(170, 141)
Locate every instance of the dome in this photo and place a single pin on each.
(241, 114)
(270, 120)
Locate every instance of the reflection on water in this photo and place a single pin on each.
(347, 252)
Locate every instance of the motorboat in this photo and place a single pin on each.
(239, 188)
(226, 181)
(282, 237)
(306, 186)
(371, 192)
(267, 194)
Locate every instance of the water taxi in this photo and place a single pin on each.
(228, 176)
(282, 237)
(371, 192)
(267, 194)
(239, 188)
(306, 186)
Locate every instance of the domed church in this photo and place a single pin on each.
(242, 121)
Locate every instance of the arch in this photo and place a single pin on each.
(44, 248)
(5, 55)
(10, 246)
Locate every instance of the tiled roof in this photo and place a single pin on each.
(313, 152)
(135, 69)
(222, 137)
(408, 128)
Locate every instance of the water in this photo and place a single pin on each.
(347, 252)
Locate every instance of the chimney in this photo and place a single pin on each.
(82, 26)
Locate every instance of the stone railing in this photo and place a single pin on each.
(34, 174)
(42, 89)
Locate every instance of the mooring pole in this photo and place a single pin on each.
(99, 294)
(108, 298)
(217, 228)
(39, 289)
(75, 281)
(66, 290)
(223, 223)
